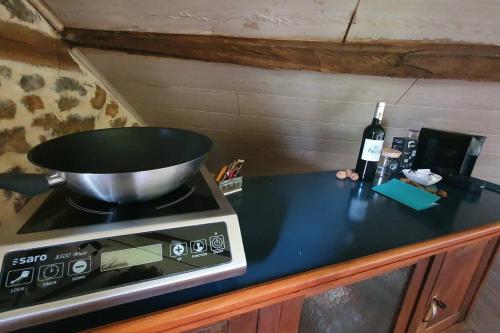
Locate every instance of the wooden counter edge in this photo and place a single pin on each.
(210, 310)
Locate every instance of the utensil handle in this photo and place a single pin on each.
(25, 183)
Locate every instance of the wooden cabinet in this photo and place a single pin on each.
(368, 306)
(423, 288)
(451, 283)
(220, 327)
(282, 317)
(427, 297)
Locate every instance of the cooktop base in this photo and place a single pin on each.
(67, 254)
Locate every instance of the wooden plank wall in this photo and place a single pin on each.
(295, 121)
(291, 19)
(292, 121)
(440, 20)
(424, 20)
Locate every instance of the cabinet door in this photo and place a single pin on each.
(243, 323)
(452, 282)
(220, 327)
(282, 317)
(369, 306)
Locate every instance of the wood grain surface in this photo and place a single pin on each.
(244, 323)
(484, 316)
(20, 43)
(454, 279)
(290, 315)
(220, 327)
(412, 293)
(296, 121)
(160, 71)
(444, 20)
(269, 318)
(390, 58)
(275, 19)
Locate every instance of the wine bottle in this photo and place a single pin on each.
(371, 145)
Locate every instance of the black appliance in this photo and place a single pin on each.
(449, 154)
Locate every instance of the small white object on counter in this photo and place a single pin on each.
(422, 176)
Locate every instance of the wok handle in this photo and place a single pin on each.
(27, 184)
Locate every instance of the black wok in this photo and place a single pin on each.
(115, 165)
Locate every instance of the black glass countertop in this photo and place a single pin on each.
(295, 223)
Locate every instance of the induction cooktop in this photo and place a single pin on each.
(66, 253)
(64, 208)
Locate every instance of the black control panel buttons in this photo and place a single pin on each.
(217, 243)
(50, 272)
(137, 258)
(178, 249)
(199, 246)
(78, 267)
(19, 277)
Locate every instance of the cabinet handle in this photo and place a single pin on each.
(433, 309)
(439, 303)
(431, 312)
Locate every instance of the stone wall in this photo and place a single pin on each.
(40, 102)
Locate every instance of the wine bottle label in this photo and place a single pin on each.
(372, 150)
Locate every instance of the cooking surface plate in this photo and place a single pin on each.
(67, 209)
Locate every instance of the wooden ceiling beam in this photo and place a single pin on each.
(20, 43)
(387, 58)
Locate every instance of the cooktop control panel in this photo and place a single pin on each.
(41, 275)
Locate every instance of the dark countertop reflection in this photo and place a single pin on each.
(294, 223)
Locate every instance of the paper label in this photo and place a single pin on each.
(372, 150)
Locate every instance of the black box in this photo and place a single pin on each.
(408, 147)
(448, 154)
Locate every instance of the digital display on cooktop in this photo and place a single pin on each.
(67, 209)
(131, 257)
